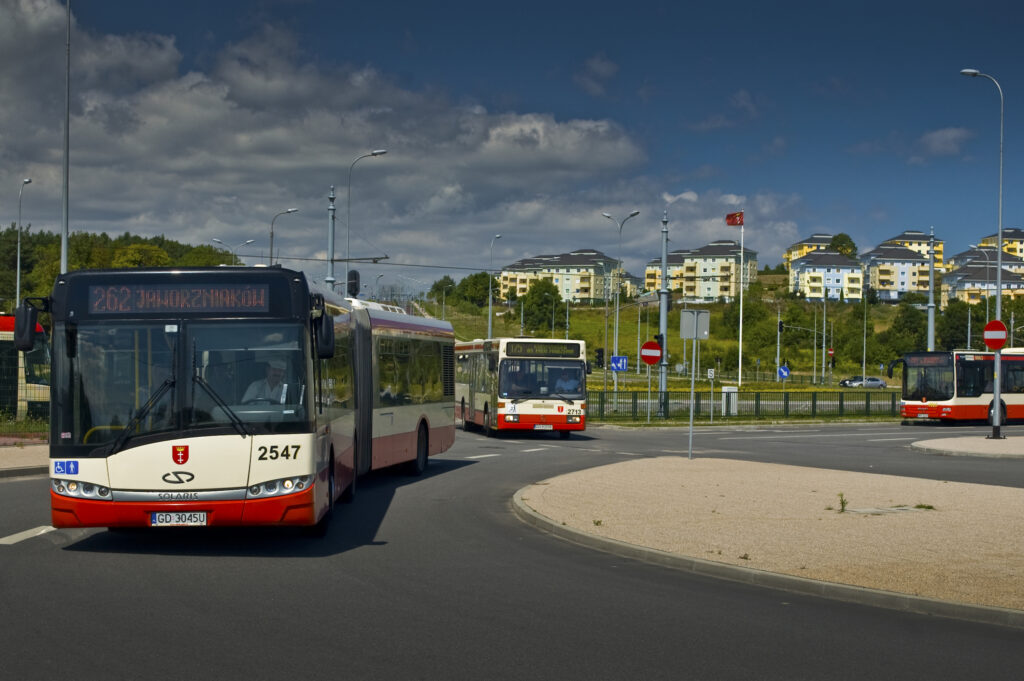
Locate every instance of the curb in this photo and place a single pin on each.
(23, 472)
(925, 447)
(842, 592)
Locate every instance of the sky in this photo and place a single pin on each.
(203, 120)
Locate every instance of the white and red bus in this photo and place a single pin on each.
(957, 385)
(230, 396)
(24, 376)
(534, 384)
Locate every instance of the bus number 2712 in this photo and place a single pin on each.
(273, 452)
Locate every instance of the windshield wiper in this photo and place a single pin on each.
(561, 397)
(141, 414)
(239, 425)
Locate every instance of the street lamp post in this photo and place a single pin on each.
(348, 209)
(615, 376)
(997, 378)
(17, 276)
(490, 276)
(376, 289)
(284, 212)
(234, 251)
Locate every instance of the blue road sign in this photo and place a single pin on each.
(783, 372)
(619, 363)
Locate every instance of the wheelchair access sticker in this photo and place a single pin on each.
(65, 467)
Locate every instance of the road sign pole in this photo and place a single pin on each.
(693, 378)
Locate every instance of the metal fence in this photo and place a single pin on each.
(707, 405)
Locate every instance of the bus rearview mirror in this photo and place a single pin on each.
(25, 319)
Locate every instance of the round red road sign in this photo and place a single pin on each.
(831, 352)
(995, 334)
(650, 352)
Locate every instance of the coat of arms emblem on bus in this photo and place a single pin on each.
(180, 454)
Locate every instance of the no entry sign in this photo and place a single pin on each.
(650, 352)
(995, 334)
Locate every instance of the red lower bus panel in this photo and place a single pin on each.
(292, 509)
(530, 421)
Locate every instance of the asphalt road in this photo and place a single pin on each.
(436, 578)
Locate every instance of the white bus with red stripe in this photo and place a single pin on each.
(957, 385)
(520, 384)
(230, 396)
(24, 376)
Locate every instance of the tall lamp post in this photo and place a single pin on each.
(284, 212)
(615, 376)
(17, 276)
(490, 276)
(997, 378)
(348, 209)
(376, 289)
(234, 251)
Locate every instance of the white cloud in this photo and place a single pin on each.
(944, 142)
(594, 75)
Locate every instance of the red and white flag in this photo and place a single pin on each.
(734, 219)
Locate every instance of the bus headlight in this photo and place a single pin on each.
(572, 419)
(511, 418)
(279, 487)
(79, 490)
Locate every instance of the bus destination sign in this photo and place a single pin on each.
(174, 299)
(532, 349)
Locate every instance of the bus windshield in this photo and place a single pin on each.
(135, 379)
(928, 377)
(541, 378)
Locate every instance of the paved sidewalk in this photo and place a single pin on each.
(23, 457)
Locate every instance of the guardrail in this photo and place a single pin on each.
(770, 405)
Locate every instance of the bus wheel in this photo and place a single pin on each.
(320, 529)
(465, 421)
(564, 434)
(419, 465)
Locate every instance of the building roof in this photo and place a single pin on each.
(911, 235)
(814, 240)
(975, 273)
(723, 248)
(584, 257)
(893, 252)
(826, 259)
(983, 255)
(1013, 233)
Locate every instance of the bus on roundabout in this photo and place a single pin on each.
(518, 384)
(956, 385)
(230, 396)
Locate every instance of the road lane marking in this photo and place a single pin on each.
(786, 437)
(27, 534)
(537, 449)
(482, 456)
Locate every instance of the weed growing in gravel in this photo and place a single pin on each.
(597, 523)
(925, 507)
(842, 503)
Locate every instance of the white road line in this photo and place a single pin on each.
(482, 456)
(785, 437)
(27, 534)
(537, 449)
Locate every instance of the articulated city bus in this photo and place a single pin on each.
(24, 376)
(522, 384)
(231, 396)
(957, 385)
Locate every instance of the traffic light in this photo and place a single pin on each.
(780, 326)
(353, 284)
(660, 340)
(599, 357)
(833, 361)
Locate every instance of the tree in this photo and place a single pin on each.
(842, 243)
(442, 288)
(538, 304)
(473, 288)
(140, 255)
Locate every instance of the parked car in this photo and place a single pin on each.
(862, 382)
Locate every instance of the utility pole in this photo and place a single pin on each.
(663, 300)
(931, 291)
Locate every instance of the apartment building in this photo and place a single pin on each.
(918, 242)
(815, 242)
(821, 274)
(1013, 241)
(583, 275)
(704, 274)
(893, 270)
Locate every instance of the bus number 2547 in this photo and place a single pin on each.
(274, 452)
